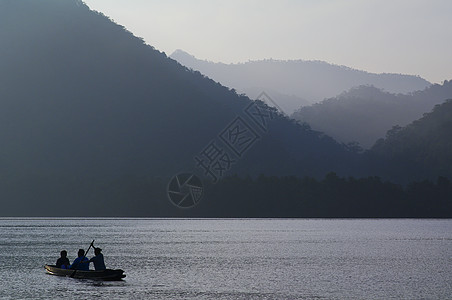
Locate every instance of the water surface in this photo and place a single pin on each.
(233, 258)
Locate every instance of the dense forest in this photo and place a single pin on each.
(234, 196)
(332, 196)
(365, 113)
(296, 83)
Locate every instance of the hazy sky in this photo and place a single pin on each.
(394, 36)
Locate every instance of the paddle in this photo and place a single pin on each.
(81, 260)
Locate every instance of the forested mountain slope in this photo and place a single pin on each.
(365, 113)
(425, 143)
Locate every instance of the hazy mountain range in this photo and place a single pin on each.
(89, 114)
(364, 114)
(94, 122)
(295, 83)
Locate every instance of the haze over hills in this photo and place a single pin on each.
(93, 122)
(90, 115)
(296, 83)
(364, 114)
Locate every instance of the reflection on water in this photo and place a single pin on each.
(232, 259)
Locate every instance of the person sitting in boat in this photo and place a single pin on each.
(63, 261)
(98, 260)
(81, 262)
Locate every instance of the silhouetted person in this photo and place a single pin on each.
(63, 261)
(81, 262)
(98, 260)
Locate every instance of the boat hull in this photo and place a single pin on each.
(107, 274)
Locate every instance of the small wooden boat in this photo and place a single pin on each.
(107, 274)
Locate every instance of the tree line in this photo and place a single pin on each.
(330, 197)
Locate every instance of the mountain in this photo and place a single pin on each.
(365, 113)
(423, 147)
(296, 83)
(95, 122)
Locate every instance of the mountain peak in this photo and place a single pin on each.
(181, 55)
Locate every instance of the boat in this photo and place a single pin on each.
(107, 274)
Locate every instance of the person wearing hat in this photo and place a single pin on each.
(98, 260)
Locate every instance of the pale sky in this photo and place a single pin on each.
(383, 36)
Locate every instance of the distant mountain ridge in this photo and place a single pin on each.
(296, 83)
(364, 114)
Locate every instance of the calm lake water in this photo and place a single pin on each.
(233, 258)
